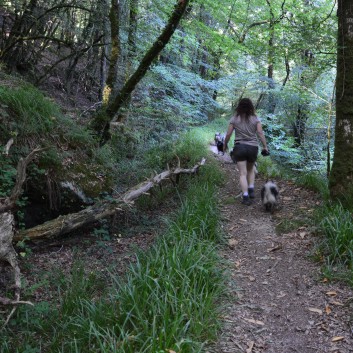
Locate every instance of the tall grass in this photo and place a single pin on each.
(168, 299)
(336, 224)
(33, 112)
(190, 148)
(316, 182)
(333, 221)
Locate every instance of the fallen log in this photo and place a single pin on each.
(67, 223)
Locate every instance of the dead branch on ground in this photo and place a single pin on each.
(67, 223)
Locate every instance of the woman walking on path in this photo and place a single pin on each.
(247, 127)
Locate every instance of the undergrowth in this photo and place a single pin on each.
(69, 150)
(167, 300)
(334, 223)
(269, 168)
(316, 182)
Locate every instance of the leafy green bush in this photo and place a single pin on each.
(181, 92)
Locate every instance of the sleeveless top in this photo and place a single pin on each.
(245, 130)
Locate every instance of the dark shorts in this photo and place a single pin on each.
(242, 152)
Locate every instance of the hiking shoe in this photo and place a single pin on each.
(246, 201)
(251, 192)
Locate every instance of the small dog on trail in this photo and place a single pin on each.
(269, 196)
(219, 141)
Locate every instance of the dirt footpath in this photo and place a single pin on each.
(279, 302)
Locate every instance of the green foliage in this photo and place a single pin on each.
(201, 217)
(48, 159)
(79, 287)
(31, 111)
(291, 224)
(279, 141)
(182, 93)
(7, 175)
(316, 182)
(23, 247)
(78, 136)
(167, 300)
(190, 148)
(70, 151)
(102, 233)
(336, 224)
(104, 155)
(268, 168)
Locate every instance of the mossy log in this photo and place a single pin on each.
(68, 223)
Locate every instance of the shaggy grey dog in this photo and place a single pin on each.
(269, 196)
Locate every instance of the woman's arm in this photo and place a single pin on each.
(261, 135)
(227, 138)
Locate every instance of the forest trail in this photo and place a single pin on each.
(278, 301)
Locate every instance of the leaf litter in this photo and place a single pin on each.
(281, 303)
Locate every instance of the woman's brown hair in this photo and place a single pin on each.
(245, 108)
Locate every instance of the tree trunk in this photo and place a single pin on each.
(15, 52)
(111, 82)
(131, 55)
(270, 59)
(299, 126)
(104, 54)
(132, 34)
(117, 102)
(286, 62)
(70, 222)
(341, 176)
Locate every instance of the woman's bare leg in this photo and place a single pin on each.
(250, 177)
(243, 176)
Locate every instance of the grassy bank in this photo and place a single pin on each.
(167, 300)
(332, 222)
